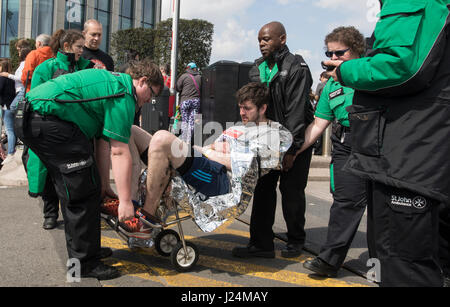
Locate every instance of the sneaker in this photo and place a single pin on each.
(320, 267)
(136, 229)
(110, 208)
(149, 219)
(9, 159)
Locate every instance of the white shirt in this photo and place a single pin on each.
(18, 76)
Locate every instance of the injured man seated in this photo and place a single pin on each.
(214, 182)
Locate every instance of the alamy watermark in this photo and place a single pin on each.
(374, 273)
(73, 270)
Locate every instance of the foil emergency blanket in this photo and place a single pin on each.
(255, 150)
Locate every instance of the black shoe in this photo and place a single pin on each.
(320, 267)
(292, 250)
(252, 251)
(99, 270)
(105, 252)
(49, 223)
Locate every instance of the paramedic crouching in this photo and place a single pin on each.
(66, 115)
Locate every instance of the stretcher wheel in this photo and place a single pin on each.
(183, 261)
(166, 241)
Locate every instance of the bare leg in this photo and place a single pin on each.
(139, 142)
(165, 151)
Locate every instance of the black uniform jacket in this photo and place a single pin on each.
(402, 136)
(289, 91)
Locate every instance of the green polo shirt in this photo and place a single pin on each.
(109, 117)
(333, 101)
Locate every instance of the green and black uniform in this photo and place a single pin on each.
(349, 197)
(38, 181)
(61, 130)
(400, 121)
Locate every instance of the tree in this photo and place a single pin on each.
(194, 43)
(133, 43)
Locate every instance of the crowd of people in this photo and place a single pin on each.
(385, 97)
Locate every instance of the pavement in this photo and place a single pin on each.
(36, 257)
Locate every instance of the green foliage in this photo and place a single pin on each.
(194, 42)
(14, 55)
(129, 44)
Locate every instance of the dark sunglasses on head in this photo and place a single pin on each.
(337, 52)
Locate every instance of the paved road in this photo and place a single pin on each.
(31, 256)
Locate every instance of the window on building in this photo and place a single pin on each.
(126, 14)
(102, 13)
(9, 25)
(42, 19)
(148, 13)
(75, 14)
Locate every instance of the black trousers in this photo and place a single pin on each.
(403, 234)
(51, 200)
(69, 157)
(349, 204)
(444, 238)
(292, 188)
(49, 196)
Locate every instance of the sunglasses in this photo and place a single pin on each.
(337, 53)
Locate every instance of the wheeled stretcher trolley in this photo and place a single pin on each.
(255, 150)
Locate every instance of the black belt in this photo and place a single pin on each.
(35, 115)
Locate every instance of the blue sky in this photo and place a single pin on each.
(307, 22)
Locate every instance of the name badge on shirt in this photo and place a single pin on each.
(336, 93)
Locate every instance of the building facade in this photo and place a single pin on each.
(29, 18)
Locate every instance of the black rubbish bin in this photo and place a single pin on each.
(220, 82)
(155, 115)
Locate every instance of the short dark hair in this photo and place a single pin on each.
(257, 92)
(145, 68)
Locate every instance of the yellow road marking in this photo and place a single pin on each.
(248, 269)
(160, 275)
